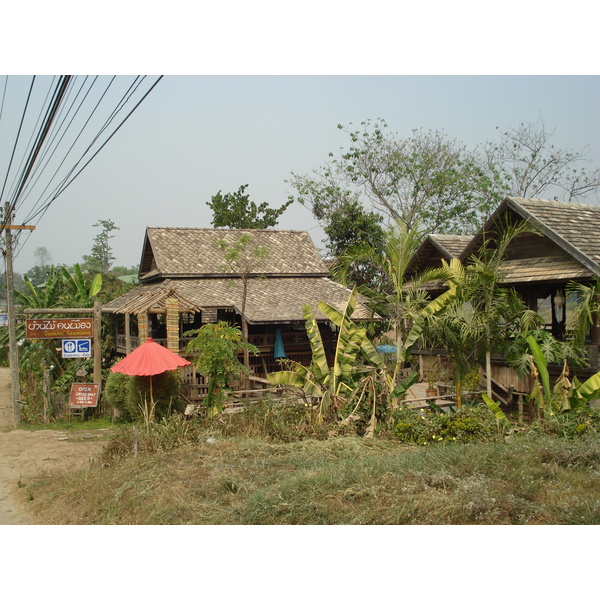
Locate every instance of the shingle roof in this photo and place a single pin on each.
(549, 268)
(274, 300)
(186, 252)
(435, 247)
(452, 244)
(577, 224)
(575, 228)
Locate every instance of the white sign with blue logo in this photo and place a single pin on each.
(77, 348)
(3, 319)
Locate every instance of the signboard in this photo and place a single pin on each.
(77, 348)
(84, 394)
(3, 319)
(58, 328)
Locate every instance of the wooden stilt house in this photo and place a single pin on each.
(564, 248)
(190, 277)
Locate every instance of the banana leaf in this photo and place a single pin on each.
(319, 359)
(590, 389)
(403, 386)
(337, 318)
(496, 410)
(300, 378)
(346, 351)
(542, 366)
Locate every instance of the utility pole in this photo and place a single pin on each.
(12, 320)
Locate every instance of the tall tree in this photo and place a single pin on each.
(350, 226)
(428, 179)
(101, 256)
(237, 211)
(484, 315)
(527, 164)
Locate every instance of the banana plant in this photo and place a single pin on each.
(335, 384)
(331, 384)
(77, 291)
(495, 409)
(566, 395)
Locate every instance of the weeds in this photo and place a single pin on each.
(529, 479)
(275, 464)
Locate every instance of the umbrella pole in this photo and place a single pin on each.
(151, 401)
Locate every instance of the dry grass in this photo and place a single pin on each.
(531, 479)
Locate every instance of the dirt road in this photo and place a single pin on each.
(27, 453)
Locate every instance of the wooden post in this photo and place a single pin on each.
(127, 334)
(520, 405)
(47, 391)
(12, 336)
(97, 342)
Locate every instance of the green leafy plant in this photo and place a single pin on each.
(332, 385)
(566, 395)
(131, 395)
(215, 351)
(239, 212)
(468, 424)
(341, 382)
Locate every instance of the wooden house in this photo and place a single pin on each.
(564, 247)
(190, 277)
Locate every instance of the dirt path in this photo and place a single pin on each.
(24, 454)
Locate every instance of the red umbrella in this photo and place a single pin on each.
(149, 359)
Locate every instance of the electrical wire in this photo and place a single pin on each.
(15, 149)
(57, 145)
(35, 129)
(68, 183)
(37, 212)
(53, 144)
(49, 118)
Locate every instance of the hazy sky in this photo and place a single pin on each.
(196, 135)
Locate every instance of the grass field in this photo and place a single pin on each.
(231, 480)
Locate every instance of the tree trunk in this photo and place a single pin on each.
(488, 372)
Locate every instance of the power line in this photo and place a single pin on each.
(49, 118)
(57, 145)
(45, 200)
(16, 142)
(66, 183)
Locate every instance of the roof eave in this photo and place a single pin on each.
(513, 204)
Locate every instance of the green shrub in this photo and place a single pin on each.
(469, 424)
(129, 394)
(116, 391)
(571, 424)
(165, 393)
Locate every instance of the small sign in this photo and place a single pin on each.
(77, 348)
(3, 319)
(58, 328)
(84, 394)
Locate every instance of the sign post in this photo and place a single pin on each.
(84, 395)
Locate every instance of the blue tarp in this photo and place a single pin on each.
(386, 349)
